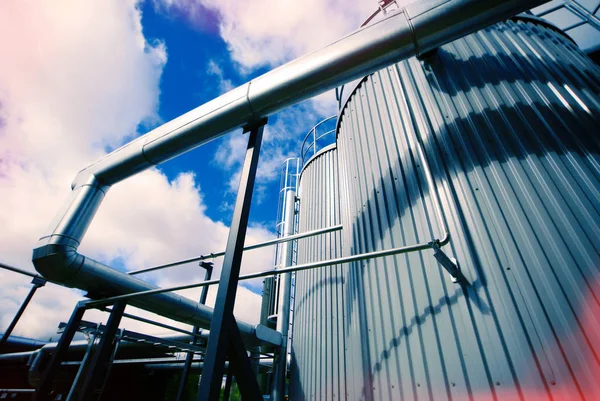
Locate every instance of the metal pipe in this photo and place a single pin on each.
(37, 283)
(285, 288)
(247, 248)
(413, 30)
(266, 273)
(20, 271)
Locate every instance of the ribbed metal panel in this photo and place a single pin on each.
(318, 368)
(509, 121)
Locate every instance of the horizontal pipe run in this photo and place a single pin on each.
(273, 272)
(248, 248)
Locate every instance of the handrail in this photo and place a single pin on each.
(272, 272)
(315, 139)
(247, 248)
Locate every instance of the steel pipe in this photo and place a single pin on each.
(247, 248)
(410, 31)
(266, 273)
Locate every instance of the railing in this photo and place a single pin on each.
(317, 138)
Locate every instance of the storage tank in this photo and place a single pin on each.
(318, 365)
(499, 133)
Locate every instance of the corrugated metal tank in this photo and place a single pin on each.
(318, 368)
(508, 120)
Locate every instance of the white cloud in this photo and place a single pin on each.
(76, 78)
(270, 32)
(225, 85)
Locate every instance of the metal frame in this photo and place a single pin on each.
(413, 30)
(224, 338)
(577, 9)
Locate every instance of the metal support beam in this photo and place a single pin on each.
(227, 390)
(83, 364)
(190, 356)
(241, 367)
(223, 326)
(99, 364)
(37, 283)
(43, 390)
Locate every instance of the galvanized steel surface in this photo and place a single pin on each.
(318, 369)
(509, 119)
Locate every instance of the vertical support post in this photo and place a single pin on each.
(43, 390)
(99, 364)
(83, 363)
(227, 390)
(283, 314)
(37, 283)
(190, 356)
(224, 333)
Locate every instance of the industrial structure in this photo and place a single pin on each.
(436, 238)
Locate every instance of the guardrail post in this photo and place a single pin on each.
(208, 266)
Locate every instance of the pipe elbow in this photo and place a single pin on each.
(57, 262)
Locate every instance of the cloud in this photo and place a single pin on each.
(266, 33)
(225, 85)
(76, 79)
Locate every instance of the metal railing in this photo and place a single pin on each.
(317, 138)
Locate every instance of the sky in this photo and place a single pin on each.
(79, 79)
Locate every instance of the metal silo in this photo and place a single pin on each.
(505, 122)
(318, 369)
(494, 139)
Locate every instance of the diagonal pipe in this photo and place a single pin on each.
(412, 30)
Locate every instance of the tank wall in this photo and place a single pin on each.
(318, 357)
(509, 121)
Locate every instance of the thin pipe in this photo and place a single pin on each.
(247, 248)
(37, 283)
(20, 271)
(203, 334)
(272, 272)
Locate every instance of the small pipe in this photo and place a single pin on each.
(20, 271)
(37, 283)
(202, 334)
(247, 248)
(266, 273)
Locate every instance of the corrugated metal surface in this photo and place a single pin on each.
(318, 369)
(509, 119)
